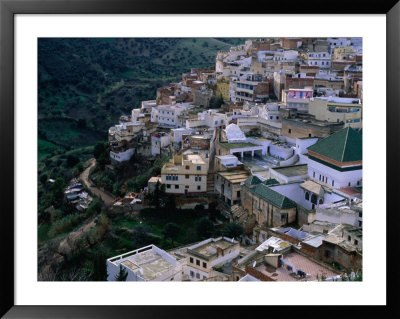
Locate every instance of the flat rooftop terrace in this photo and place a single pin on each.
(209, 249)
(147, 264)
(298, 262)
(291, 171)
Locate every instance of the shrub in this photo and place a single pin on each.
(65, 224)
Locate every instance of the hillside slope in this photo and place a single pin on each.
(84, 85)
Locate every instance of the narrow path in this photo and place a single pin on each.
(84, 177)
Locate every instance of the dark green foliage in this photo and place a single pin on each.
(81, 123)
(57, 189)
(43, 178)
(171, 230)
(72, 160)
(216, 102)
(141, 236)
(65, 224)
(204, 228)
(100, 267)
(122, 274)
(232, 230)
(94, 207)
(100, 149)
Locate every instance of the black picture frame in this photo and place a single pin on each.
(9, 8)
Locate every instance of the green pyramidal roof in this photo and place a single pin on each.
(342, 146)
(253, 180)
(273, 197)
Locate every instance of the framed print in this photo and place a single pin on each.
(194, 149)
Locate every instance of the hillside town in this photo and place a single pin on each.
(271, 135)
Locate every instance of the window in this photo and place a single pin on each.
(277, 117)
(204, 265)
(270, 117)
(309, 135)
(168, 185)
(187, 176)
(327, 253)
(199, 168)
(360, 214)
(191, 260)
(307, 196)
(348, 238)
(333, 183)
(197, 275)
(355, 242)
(199, 178)
(187, 167)
(176, 186)
(191, 273)
(349, 184)
(198, 187)
(313, 174)
(204, 277)
(197, 262)
(290, 131)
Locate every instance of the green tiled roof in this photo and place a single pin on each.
(272, 197)
(271, 181)
(342, 146)
(253, 180)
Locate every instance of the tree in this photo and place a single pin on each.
(100, 267)
(204, 228)
(171, 230)
(58, 189)
(122, 274)
(216, 102)
(232, 230)
(81, 123)
(99, 149)
(43, 178)
(72, 161)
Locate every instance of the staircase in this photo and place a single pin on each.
(210, 183)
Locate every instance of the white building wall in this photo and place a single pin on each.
(303, 144)
(332, 177)
(336, 216)
(122, 156)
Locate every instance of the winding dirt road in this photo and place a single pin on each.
(106, 197)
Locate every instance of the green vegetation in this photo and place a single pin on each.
(232, 230)
(84, 86)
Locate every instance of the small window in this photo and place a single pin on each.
(313, 174)
(197, 275)
(176, 186)
(349, 184)
(333, 183)
(290, 131)
(355, 242)
(307, 196)
(199, 168)
(197, 262)
(168, 185)
(204, 265)
(348, 238)
(191, 273)
(187, 167)
(191, 260)
(187, 176)
(198, 187)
